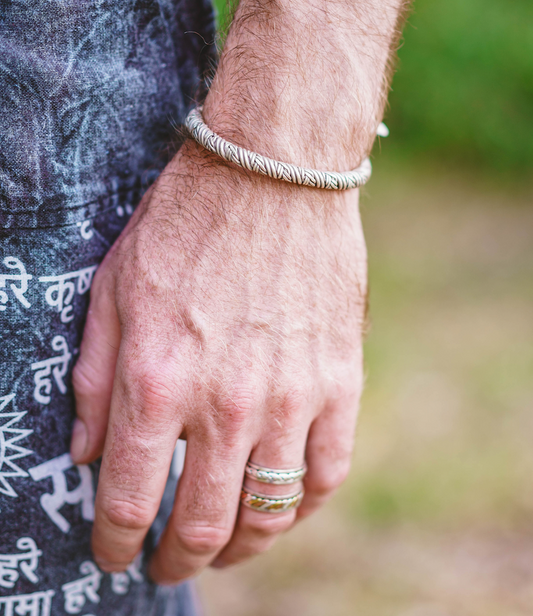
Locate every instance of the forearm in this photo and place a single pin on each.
(305, 81)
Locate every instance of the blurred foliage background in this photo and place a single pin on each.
(436, 518)
(464, 89)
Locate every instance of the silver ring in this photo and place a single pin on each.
(271, 504)
(278, 477)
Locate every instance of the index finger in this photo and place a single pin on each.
(142, 433)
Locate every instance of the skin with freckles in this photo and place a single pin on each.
(230, 311)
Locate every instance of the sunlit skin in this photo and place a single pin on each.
(230, 311)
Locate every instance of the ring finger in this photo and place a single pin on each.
(256, 531)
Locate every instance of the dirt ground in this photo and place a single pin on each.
(436, 518)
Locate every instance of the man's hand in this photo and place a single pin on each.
(230, 311)
(237, 327)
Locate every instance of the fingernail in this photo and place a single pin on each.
(79, 440)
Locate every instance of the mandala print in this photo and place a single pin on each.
(9, 450)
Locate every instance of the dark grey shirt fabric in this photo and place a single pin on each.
(90, 92)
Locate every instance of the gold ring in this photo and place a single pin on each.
(271, 504)
(274, 476)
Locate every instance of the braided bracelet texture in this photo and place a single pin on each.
(252, 161)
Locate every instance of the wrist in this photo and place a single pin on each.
(282, 94)
(208, 182)
(336, 141)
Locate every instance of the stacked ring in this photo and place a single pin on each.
(271, 504)
(281, 477)
(274, 476)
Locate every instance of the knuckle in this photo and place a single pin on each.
(128, 514)
(84, 379)
(202, 540)
(264, 525)
(237, 408)
(154, 388)
(292, 407)
(296, 398)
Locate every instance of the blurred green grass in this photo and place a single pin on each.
(463, 93)
(450, 353)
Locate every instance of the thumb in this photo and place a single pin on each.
(94, 372)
